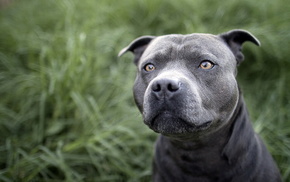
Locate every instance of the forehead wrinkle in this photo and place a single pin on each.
(164, 51)
(196, 45)
(163, 54)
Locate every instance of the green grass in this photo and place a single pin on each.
(66, 106)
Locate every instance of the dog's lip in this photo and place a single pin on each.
(166, 113)
(201, 126)
(204, 125)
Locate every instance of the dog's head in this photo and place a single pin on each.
(186, 83)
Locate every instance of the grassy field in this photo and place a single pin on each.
(66, 106)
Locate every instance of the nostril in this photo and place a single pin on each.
(173, 87)
(156, 87)
(165, 85)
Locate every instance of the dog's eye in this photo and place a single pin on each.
(206, 65)
(149, 67)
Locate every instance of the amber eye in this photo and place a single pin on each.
(149, 67)
(206, 65)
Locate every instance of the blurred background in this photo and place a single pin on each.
(66, 106)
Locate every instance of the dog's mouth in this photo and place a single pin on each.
(168, 123)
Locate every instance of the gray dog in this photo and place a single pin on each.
(186, 90)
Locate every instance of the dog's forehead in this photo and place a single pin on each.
(192, 43)
(196, 38)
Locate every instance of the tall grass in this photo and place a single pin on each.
(66, 107)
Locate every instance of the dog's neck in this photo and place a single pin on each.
(211, 153)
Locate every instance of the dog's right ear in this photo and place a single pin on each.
(137, 46)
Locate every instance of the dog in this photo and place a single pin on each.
(186, 90)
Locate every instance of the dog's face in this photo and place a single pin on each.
(186, 83)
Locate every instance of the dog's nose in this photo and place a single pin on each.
(165, 87)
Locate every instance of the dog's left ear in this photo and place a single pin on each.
(235, 39)
(137, 46)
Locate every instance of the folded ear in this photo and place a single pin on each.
(137, 46)
(235, 39)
